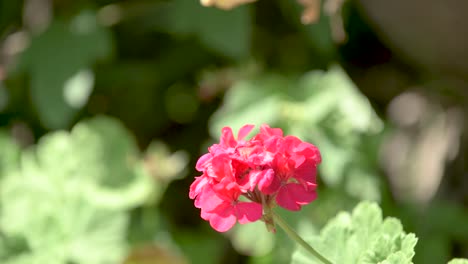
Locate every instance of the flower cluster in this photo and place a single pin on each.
(243, 179)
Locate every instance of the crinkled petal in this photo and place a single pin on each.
(247, 212)
(304, 195)
(223, 218)
(289, 144)
(306, 172)
(227, 190)
(267, 182)
(309, 151)
(205, 215)
(267, 131)
(241, 173)
(244, 131)
(286, 200)
(208, 200)
(284, 167)
(252, 179)
(227, 139)
(197, 186)
(293, 195)
(203, 162)
(221, 167)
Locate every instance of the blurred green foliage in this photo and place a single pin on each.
(106, 105)
(208, 25)
(61, 88)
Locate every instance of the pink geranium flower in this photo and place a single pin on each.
(267, 170)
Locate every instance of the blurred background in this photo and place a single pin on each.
(106, 105)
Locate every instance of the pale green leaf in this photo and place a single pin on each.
(255, 102)
(361, 237)
(458, 261)
(108, 155)
(252, 239)
(9, 154)
(68, 199)
(78, 88)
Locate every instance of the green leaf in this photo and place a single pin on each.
(110, 160)
(252, 239)
(58, 61)
(335, 92)
(55, 217)
(12, 246)
(69, 199)
(361, 237)
(255, 101)
(225, 32)
(458, 261)
(9, 154)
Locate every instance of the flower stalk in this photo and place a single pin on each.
(294, 236)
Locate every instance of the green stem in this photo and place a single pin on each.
(294, 236)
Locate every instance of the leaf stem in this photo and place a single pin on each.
(294, 236)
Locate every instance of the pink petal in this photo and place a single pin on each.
(286, 200)
(310, 187)
(223, 218)
(208, 200)
(247, 212)
(266, 130)
(197, 186)
(205, 215)
(293, 195)
(203, 161)
(290, 143)
(253, 178)
(283, 167)
(309, 151)
(244, 131)
(227, 138)
(267, 182)
(303, 195)
(241, 174)
(227, 190)
(221, 167)
(306, 172)
(273, 144)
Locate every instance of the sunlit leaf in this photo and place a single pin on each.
(458, 261)
(9, 154)
(361, 237)
(68, 200)
(255, 101)
(111, 159)
(78, 88)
